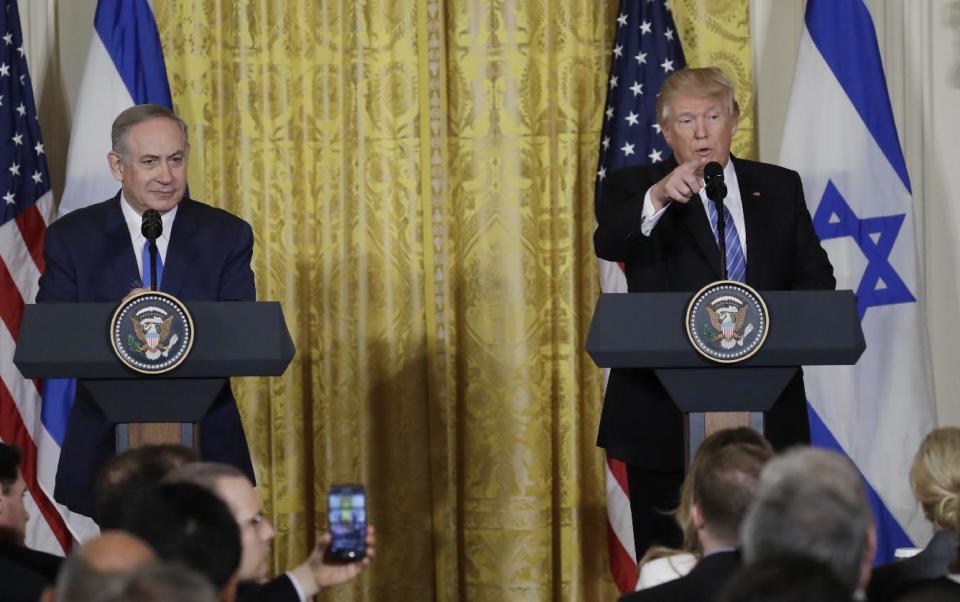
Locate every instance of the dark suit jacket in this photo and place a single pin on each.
(18, 584)
(639, 423)
(278, 590)
(41, 563)
(931, 562)
(702, 584)
(89, 258)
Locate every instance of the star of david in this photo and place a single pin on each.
(880, 283)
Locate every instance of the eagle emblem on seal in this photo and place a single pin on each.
(154, 334)
(728, 321)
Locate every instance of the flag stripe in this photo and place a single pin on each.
(11, 304)
(129, 33)
(12, 430)
(15, 254)
(845, 36)
(32, 227)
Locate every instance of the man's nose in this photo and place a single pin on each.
(165, 174)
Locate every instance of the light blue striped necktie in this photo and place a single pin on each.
(736, 264)
(146, 265)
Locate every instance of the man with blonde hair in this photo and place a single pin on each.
(657, 220)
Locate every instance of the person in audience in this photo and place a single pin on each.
(165, 582)
(13, 520)
(935, 480)
(785, 578)
(812, 502)
(97, 570)
(661, 564)
(124, 475)
(300, 583)
(724, 482)
(185, 523)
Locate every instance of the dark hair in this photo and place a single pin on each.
(124, 475)
(9, 467)
(785, 578)
(724, 484)
(186, 523)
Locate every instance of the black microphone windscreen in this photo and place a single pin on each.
(152, 225)
(712, 170)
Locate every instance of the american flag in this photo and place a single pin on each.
(646, 51)
(26, 206)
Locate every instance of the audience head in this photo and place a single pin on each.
(97, 570)
(724, 483)
(785, 578)
(935, 477)
(812, 502)
(126, 474)
(235, 489)
(13, 513)
(186, 523)
(165, 582)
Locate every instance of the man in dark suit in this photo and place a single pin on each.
(724, 482)
(13, 520)
(97, 254)
(657, 221)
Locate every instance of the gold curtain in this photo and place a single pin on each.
(419, 176)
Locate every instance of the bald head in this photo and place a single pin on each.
(117, 551)
(99, 569)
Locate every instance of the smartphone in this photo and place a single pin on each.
(347, 516)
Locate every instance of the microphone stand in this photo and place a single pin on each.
(721, 236)
(153, 264)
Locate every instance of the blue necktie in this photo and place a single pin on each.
(146, 266)
(736, 265)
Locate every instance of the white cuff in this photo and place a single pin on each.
(296, 586)
(649, 216)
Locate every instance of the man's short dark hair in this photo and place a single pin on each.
(10, 459)
(186, 523)
(9, 467)
(785, 578)
(124, 475)
(724, 486)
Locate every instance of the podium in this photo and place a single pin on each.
(71, 340)
(646, 330)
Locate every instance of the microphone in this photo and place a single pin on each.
(713, 177)
(716, 192)
(152, 228)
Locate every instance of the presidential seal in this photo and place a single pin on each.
(151, 332)
(727, 321)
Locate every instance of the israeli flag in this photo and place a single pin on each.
(124, 67)
(841, 137)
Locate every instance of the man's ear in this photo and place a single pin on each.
(116, 165)
(697, 516)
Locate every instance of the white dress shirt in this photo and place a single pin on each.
(135, 221)
(649, 217)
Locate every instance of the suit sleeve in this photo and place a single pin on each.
(236, 278)
(59, 280)
(812, 268)
(618, 236)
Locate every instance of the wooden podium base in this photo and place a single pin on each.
(138, 434)
(698, 426)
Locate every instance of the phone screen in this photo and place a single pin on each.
(347, 507)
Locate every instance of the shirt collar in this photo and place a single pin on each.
(135, 221)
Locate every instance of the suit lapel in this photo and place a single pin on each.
(179, 252)
(122, 261)
(751, 200)
(694, 218)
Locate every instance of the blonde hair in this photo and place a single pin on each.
(935, 476)
(704, 82)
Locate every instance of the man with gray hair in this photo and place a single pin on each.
(812, 502)
(99, 254)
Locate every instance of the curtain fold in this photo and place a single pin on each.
(419, 176)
